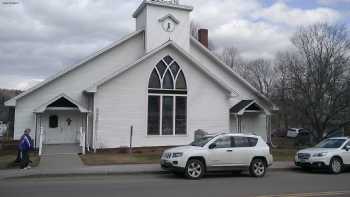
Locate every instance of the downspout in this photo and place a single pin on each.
(269, 133)
(95, 131)
(36, 129)
(95, 124)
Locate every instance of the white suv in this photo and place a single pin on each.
(227, 151)
(331, 153)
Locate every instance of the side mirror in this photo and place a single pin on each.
(211, 146)
(347, 148)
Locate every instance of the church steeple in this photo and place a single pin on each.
(164, 20)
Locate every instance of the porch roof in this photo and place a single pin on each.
(61, 102)
(247, 106)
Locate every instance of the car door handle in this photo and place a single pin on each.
(228, 150)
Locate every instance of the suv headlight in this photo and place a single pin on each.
(320, 154)
(177, 155)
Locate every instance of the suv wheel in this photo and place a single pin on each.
(335, 166)
(257, 168)
(194, 169)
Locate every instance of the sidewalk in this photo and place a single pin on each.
(61, 157)
(106, 170)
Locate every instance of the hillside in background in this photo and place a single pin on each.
(5, 95)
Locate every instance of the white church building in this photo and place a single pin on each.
(158, 81)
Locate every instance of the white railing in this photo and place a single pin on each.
(82, 140)
(41, 139)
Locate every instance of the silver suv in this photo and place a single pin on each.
(227, 152)
(332, 153)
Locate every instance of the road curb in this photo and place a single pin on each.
(39, 175)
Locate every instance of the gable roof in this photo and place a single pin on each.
(43, 107)
(245, 106)
(12, 102)
(172, 17)
(172, 44)
(240, 105)
(229, 70)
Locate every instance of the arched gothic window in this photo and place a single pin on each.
(167, 99)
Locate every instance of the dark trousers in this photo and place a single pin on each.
(18, 159)
(24, 158)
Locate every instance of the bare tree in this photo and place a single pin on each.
(194, 27)
(320, 80)
(231, 56)
(282, 86)
(261, 75)
(258, 72)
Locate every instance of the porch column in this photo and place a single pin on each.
(83, 133)
(39, 127)
(268, 128)
(87, 132)
(36, 129)
(94, 133)
(37, 120)
(238, 123)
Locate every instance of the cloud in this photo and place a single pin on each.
(333, 2)
(281, 13)
(39, 38)
(255, 29)
(18, 82)
(258, 39)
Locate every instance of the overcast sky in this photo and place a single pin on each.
(40, 38)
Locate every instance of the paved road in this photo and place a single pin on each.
(275, 184)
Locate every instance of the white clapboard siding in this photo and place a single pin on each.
(73, 83)
(244, 92)
(122, 102)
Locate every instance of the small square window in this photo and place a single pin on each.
(53, 121)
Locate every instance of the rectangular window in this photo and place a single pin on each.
(180, 115)
(223, 142)
(252, 141)
(167, 119)
(241, 141)
(153, 115)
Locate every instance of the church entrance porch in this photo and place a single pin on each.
(62, 127)
(249, 117)
(60, 121)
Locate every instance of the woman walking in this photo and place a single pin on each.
(25, 145)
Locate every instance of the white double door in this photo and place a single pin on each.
(66, 130)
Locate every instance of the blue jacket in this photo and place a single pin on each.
(25, 143)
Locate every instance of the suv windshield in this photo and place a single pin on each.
(202, 141)
(330, 143)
